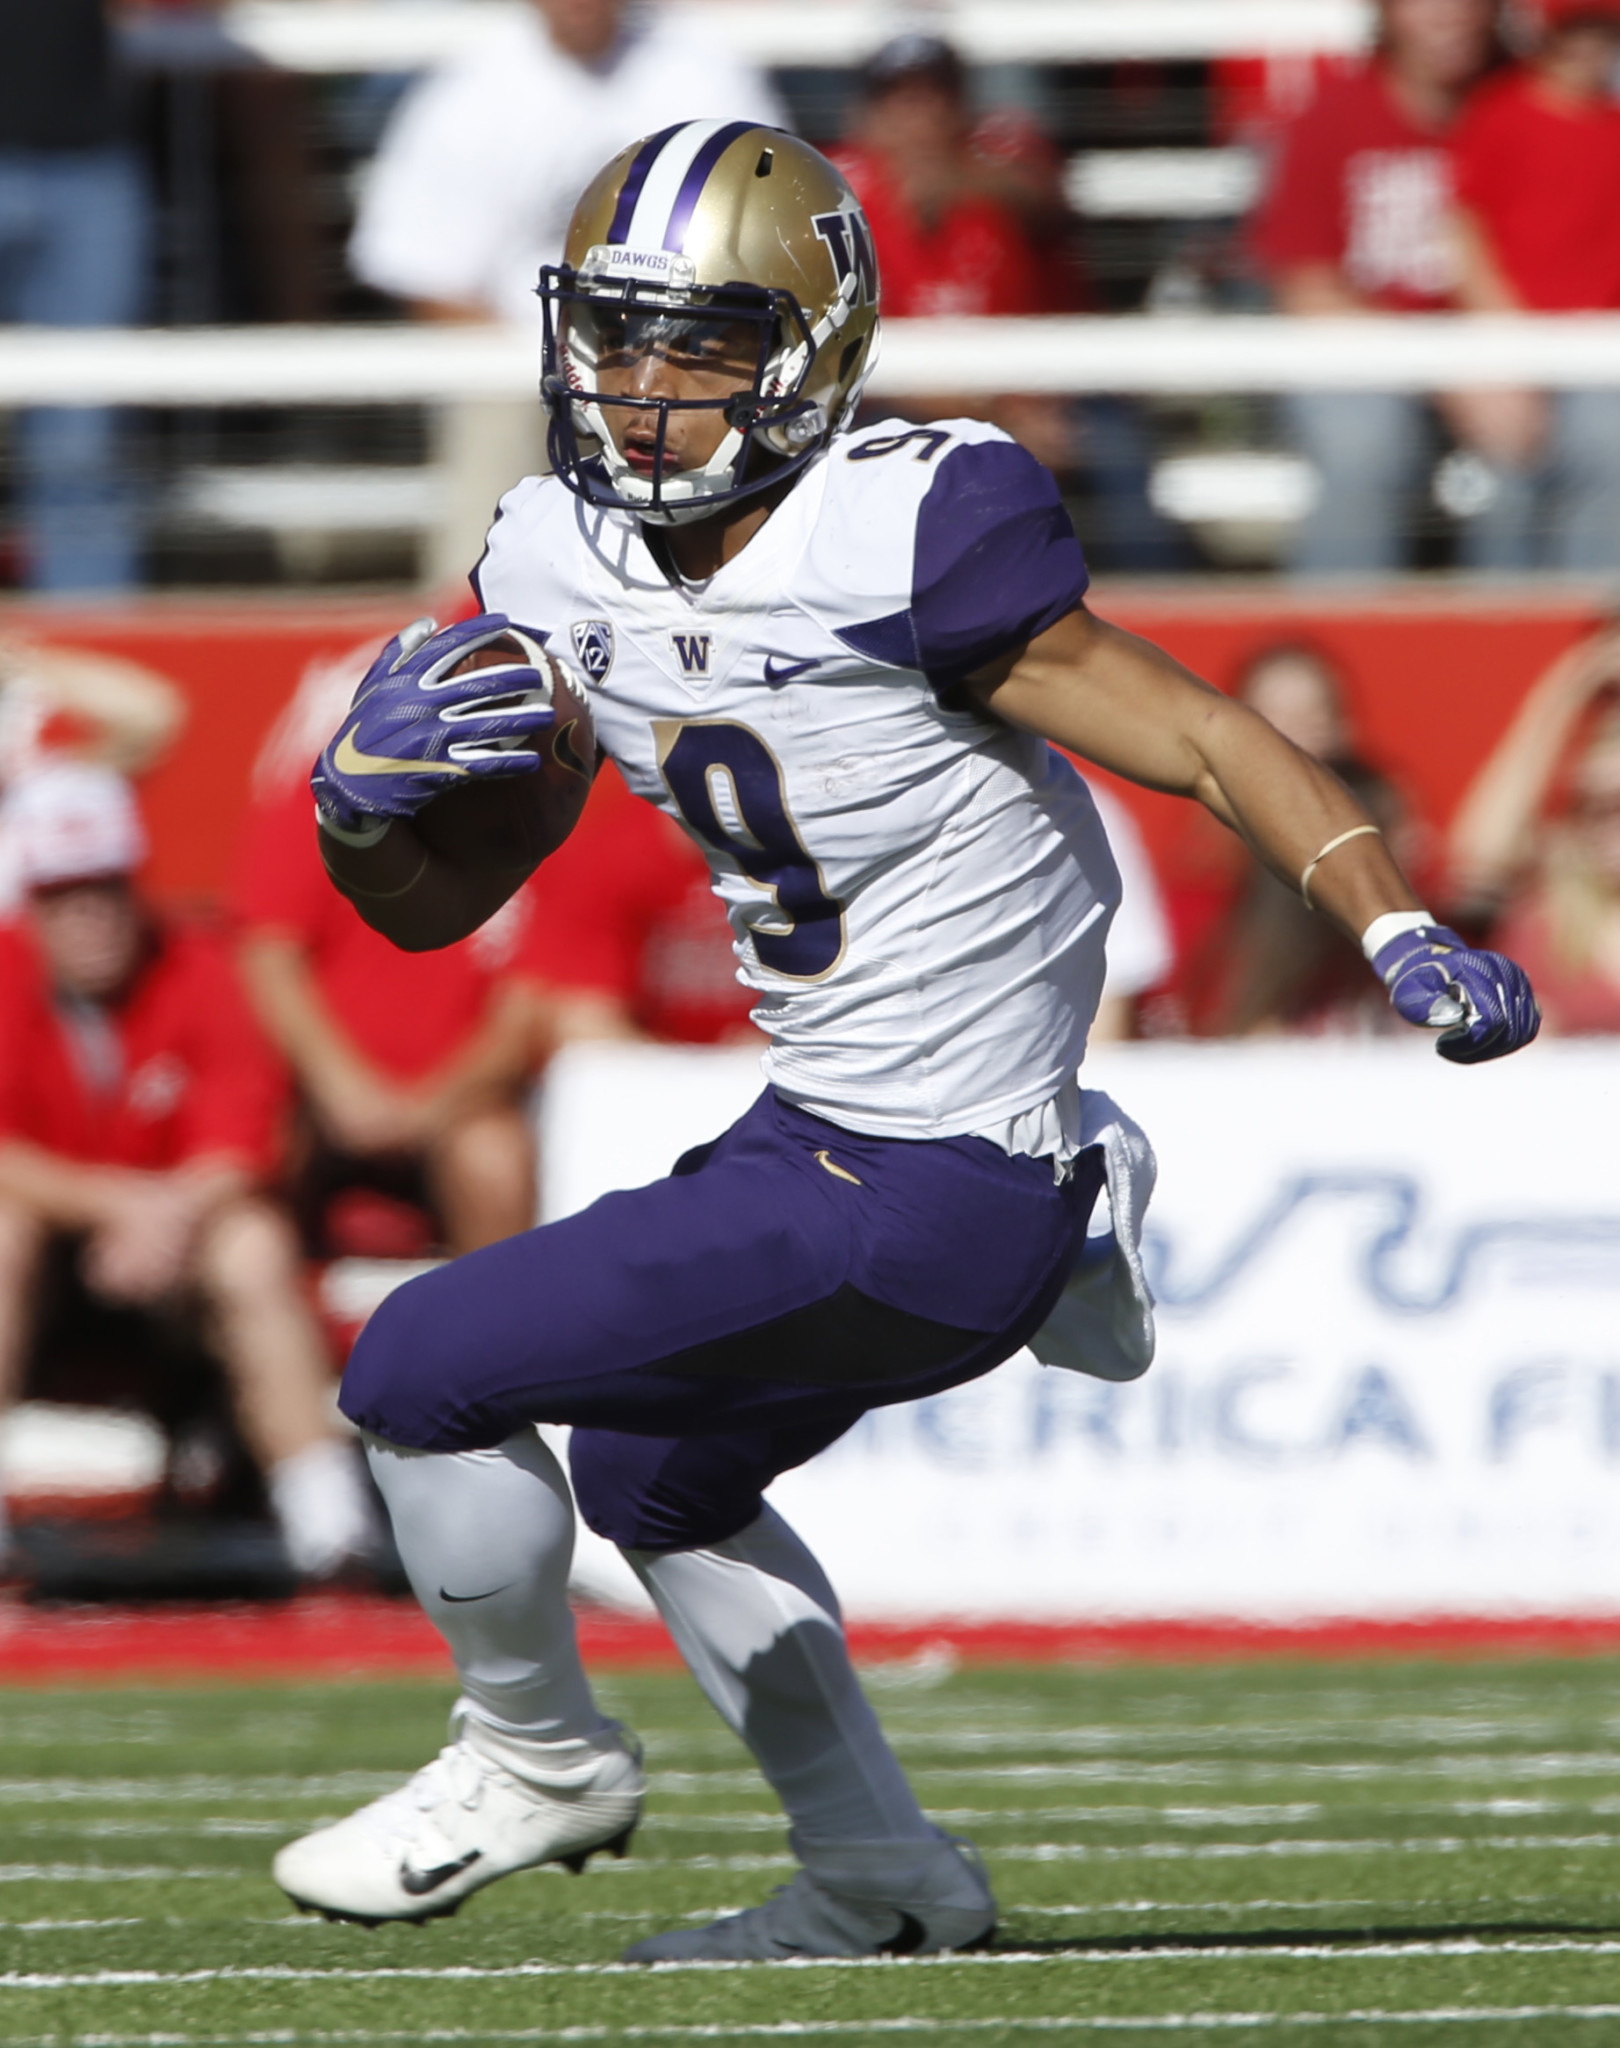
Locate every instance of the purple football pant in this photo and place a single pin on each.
(710, 1331)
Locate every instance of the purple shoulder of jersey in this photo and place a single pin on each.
(995, 562)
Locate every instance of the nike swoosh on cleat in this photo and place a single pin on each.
(420, 1882)
(776, 675)
(347, 759)
(461, 1599)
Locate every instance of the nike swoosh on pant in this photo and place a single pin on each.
(420, 1882)
(461, 1599)
(347, 759)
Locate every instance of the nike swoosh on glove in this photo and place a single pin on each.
(413, 729)
(1483, 1000)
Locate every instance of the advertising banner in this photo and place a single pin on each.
(1388, 1375)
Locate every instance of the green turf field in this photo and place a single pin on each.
(1413, 1853)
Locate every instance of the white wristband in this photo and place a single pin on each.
(352, 835)
(1391, 925)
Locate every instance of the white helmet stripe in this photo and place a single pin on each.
(662, 187)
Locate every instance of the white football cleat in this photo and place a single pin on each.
(809, 1918)
(459, 1824)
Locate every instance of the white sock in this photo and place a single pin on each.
(321, 1507)
(760, 1628)
(486, 1538)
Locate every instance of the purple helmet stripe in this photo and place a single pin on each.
(680, 215)
(635, 178)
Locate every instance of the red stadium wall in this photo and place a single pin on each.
(236, 664)
(1435, 678)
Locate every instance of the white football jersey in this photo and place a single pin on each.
(919, 895)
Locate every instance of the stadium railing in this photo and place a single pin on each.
(376, 35)
(1246, 482)
(1148, 354)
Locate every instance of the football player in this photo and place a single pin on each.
(835, 656)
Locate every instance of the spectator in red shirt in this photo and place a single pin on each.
(969, 220)
(1356, 219)
(413, 1068)
(1535, 845)
(627, 936)
(1537, 159)
(138, 1112)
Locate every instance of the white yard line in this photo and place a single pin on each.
(1402, 1732)
(1218, 1852)
(724, 1821)
(1008, 1908)
(66, 1926)
(1099, 2023)
(732, 1821)
(1496, 1768)
(464, 1973)
(213, 1826)
(191, 1790)
(1001, 1852)
(358, 1785)
(102, 1873)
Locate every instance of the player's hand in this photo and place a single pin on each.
(414, 729)
(1481, 1003)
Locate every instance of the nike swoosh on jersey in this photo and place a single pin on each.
(347, 759)
(776, 675)
(839, 1172)
(420, 1882)
(461, 1599)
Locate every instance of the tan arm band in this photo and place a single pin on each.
(1311, 866)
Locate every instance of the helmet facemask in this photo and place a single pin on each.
(600, 321)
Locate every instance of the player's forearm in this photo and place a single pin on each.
(67, 1194)
(1303, 823)
(1124, 703)
(418, 900)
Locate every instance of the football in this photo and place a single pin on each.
(497, 824)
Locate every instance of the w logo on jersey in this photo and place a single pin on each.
(849, 240)
(692, 652)
(593, 647)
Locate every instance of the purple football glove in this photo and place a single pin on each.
(413, 729)
(1482, 1002)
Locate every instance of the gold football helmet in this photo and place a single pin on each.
(707, 232)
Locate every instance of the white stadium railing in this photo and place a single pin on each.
(384, 35)
(385, 365)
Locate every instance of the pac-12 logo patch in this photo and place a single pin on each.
(593, 647)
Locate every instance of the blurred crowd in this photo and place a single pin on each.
(150, 168)
(1446, 174)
